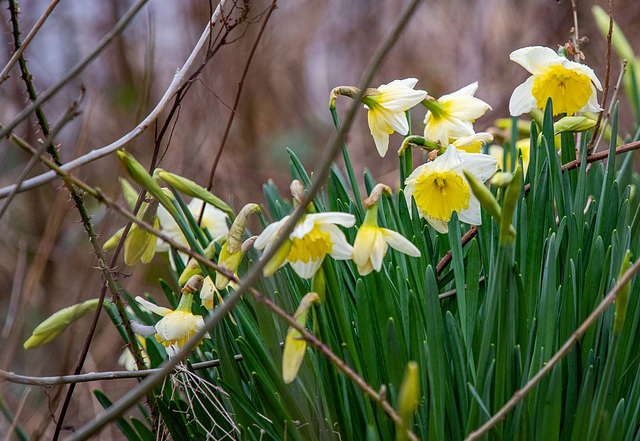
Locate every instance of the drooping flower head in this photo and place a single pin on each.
(175, 327)
(570, 85)
(440, 188)
(313, 238)
(451, 116)
(386, 109)
(372, 241)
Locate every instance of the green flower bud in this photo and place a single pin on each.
(573, 124)
(193, 266)
(277, 260)
(408, 398)
(137, 172)
(236, 232)
(130, 194)
(509, 206)
(113, 240)
(295, 346)
(501, 179)
(623, 297)
(190, 188)
(57, 323)
(140, 245)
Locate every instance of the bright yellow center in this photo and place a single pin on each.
(569, 89)
(438, 194)
(314, 245)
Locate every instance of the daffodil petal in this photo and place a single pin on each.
(398, 242)
(568, 64)
(160, 310)
(592, 105)
(306, 270)
(465, 91)
(468, 108)
(269, 233)
(471, 215)
(346, 220)
(341, 249)
(522, 100)
(478, 164)
(378, 250)
(534, 58)
(362, 245)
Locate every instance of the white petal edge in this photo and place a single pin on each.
(534, 58)
(522, 100)
(306, 270)
(334, 217)
(160, 310)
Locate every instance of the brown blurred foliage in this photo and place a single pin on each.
(309, 47)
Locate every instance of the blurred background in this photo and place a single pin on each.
(308, 48)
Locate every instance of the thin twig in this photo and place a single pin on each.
(236, 101)
(75, 70)
(46, 145)
(176, 84)
(564, 350)
(575, 36)
(254, 273)
(606, 79)
(4, 74)
(612, 102)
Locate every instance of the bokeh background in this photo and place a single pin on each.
(308, 48)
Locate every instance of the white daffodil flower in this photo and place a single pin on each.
(372, 243)
(386, 110)
(451, 116)
(473, 143)
(440, 188)
(570, 85)
(213, 219)
(175, 327)
(315, 236)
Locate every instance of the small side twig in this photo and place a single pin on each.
(606, 79)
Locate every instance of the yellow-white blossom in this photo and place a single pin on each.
(386, 110)
(440, 188)
(372, 243)
(314, 237)
(175, 327)
(213, 219)
(451, 116)
(127, 360)
(570, 85)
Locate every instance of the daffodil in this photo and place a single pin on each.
(387, 105)
(372, 241)
(440, 188)
(213, 219)
(570, 85)
(473, 143)
(127, 360)
(314, 237)
(175, 327)
(524, 145)
(451, 116)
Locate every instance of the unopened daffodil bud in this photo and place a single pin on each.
(501, 179)
(623, 297)
(372, 241)
(208, 293)
(374, 196)
(573, 124)
(349, 91)
(113, 241)
(190, 188)
(57, 323)
(228, 261)
(509, 203)
(193, 266)
(137, 172)
(236, 232)
(408, 398)
(421, 142)
(130, 194)
(295, 345)
(297, 190)
(248, 244)
(140, 245)
(193, 285)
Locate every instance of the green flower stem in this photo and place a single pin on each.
(406, 157)
(347, 161)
